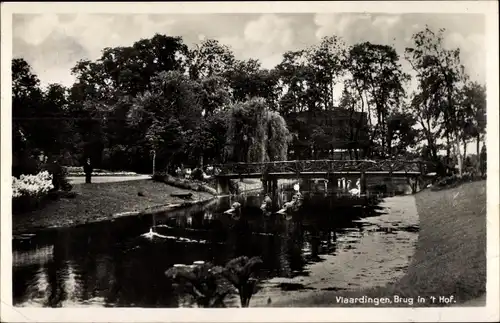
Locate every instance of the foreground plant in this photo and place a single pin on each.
(203, 281)
(209, 285)
(241, 273)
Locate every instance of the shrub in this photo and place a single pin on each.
(455, 180)
(32, 185)
(204, 282)
(209, 285)
(197, 186)
(59, 176)
(241, 272)
(29, 190)
(197, 174)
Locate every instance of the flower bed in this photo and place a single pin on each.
(78, 171)
(103, 174)
(29, 191)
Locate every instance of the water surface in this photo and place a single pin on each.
(112, 264)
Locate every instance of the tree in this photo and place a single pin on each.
(130, 69)
(208, 59)
(292, 72)
(170, 118)
(40, 119)
(248, 80)
(474, 107)
(26, 98)
(377, 80)
(401, 134)
(255, 133)
(326, 63)
(441, 77)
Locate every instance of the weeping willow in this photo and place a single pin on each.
(255, 133)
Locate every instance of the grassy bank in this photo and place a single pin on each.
(450, 257)
(100, 201)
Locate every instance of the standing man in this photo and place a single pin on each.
(87, 168)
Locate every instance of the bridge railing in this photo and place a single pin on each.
(325, 165)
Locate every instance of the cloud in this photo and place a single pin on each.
(356, 27)
(52, 44)
(472, 53)
(269, 30)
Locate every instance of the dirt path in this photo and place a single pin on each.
(76, 180)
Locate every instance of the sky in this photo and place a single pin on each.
(53, 43)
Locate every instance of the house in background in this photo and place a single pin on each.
(328, 134)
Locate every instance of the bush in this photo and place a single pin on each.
(456, 180)
(197, 186)
(28, 191)
(197, 174)
(32, 185)
(209, 285)
(59, 176)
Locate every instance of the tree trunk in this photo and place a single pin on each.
(389, 147)
(447, 146)
(458, 154)
(465, 152)
(201, 161)
(478, 152)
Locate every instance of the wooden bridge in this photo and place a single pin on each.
(270, 172)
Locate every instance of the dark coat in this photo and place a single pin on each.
(87, 168)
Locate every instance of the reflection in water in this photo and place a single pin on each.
(112, 264)
(37, 256)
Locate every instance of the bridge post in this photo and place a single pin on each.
(391, 181)
(223, 186)
(418, 180)
(274, 192)
(363, 183)
(266, 185)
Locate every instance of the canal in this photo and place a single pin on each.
(118, 264)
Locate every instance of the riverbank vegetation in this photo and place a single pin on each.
(188, 184)
(100, 201)
(450, 257)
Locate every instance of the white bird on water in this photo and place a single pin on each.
(235, 210)
(357, 190)
(289, 206)
(342, 183)
(151, 234)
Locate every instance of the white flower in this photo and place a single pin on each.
(32, 185)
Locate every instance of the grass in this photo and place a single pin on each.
(99, 201)
(450, 257)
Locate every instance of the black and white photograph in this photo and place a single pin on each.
(326, 156)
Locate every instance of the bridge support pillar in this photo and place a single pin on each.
(274, 192)
(333, 182)
(418, 180)
(363, 183)
(265, 186)
(223, 185)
